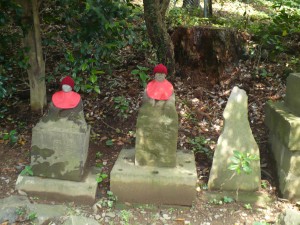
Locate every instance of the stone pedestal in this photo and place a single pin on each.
(284, 126)
(154, 185)
(59, 151)
(236, 135)
(156, 133)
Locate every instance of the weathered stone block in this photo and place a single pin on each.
(154, 185)
(156, 134)
(236, 135)
(284, 124)
(59, 149)
(288, 217)
(292, 98)
(61, 190)
(288, 168)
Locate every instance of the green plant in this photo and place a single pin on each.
(12, 137)
(221, 201)
(227, 199)
(108, 201)
(260, 223)
(20, 211)
(199, 145)
(142, 74)
(264, 184)
(98, 155)
(100, 177)
(122, 105)
(109, 142)
(27, 171)
(241, 162)
(125, 216)
(248, 206)
(32, 216)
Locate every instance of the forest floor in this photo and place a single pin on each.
(200, 111)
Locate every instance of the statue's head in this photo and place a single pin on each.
(160, 72)
(67, 84)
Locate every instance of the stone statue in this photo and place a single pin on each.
(66, 104)
(157, 123)
(61, 138)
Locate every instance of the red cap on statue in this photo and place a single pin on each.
(66, 99)
(160, 88)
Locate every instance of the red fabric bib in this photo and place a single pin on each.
(65, 100)
(159, 90)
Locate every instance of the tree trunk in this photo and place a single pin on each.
(190, 3)
(206, 55)
(207, 8)
(32, 40)
(154, 13)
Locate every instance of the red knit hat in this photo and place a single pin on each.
(69, 81)
(160, 68)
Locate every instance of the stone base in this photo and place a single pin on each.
(288, 164)
(154, 185)
(60, 190)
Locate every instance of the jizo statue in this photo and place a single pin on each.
(160, 88)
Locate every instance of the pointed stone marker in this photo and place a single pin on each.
(236, 135)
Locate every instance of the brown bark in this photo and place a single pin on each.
(154, 13)
(32, 40)
(206, 55)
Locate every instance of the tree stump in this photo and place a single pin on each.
(202, 54)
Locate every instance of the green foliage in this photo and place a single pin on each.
(261, 223)
(12, 57)
(221, 201)
(125, 216)
(100, 177)
(264, 184)
(98, 155)
(241, 162)
(20, 211)
(11, 137)
(274, 32)
(122, 105)
(27, 171)
(32, 216)
(96, 31)
(186, 17)
(248, 206)
(199, 145)
(109, 142)
(108, 201)
(142, 74)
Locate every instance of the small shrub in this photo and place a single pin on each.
(241, 162)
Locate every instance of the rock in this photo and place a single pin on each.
(156, 134)
(111, 214)
(80, 220)
(97, 217)
(289, 217)
(293, 92)
(166, 216)
(47, 212)
(236, 135)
